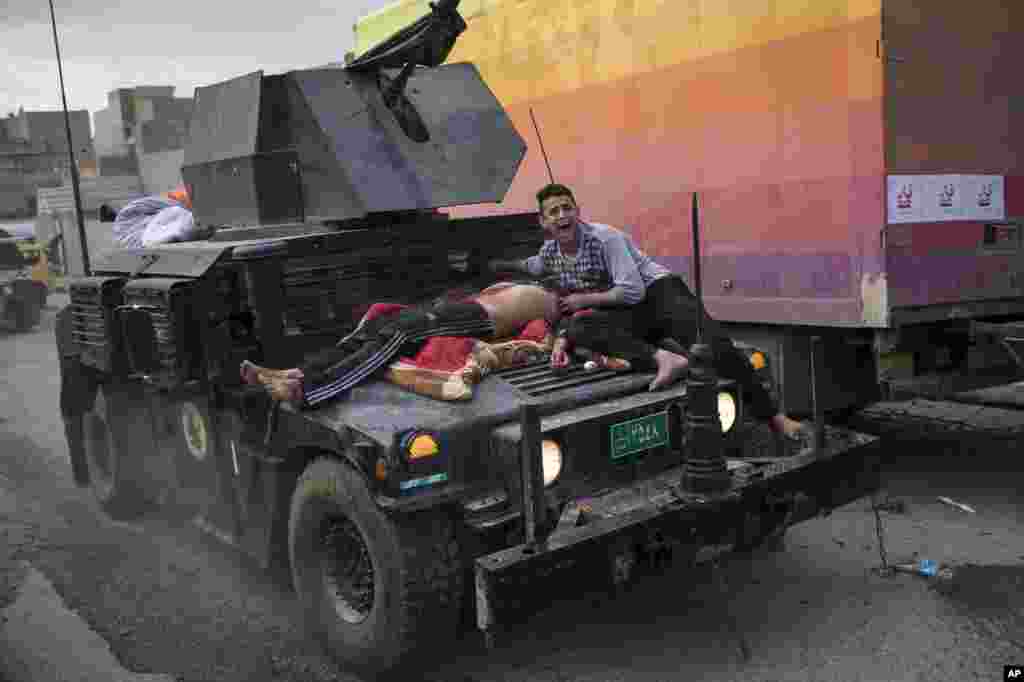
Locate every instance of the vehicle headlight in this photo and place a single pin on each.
(726, 410)
(419, 445)
(551, 457)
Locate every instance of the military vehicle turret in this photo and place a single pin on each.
(388, 507)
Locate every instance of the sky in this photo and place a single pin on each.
(106, 45)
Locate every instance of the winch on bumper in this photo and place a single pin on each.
(599, 536)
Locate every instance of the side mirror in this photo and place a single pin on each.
(139, 336)
(107, 214)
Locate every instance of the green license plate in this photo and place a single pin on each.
(637, 435)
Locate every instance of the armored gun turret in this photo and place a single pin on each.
(394, 131)
(323, 187)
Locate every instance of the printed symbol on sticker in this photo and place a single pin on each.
(985, 196)
(905, 197)
(946, 196)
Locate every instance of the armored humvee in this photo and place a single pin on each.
(392, 510)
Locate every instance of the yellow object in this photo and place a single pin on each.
(381, 470)
(423, 445)
(41, 269)
(530, 49)
(757, 360)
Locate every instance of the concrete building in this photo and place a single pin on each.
(143, 131)
(45, 130)
(33, 154)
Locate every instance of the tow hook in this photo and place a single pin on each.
(623, 561)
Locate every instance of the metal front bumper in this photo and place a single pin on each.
(655, 514)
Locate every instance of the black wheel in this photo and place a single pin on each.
(375, 588)
(118, 439)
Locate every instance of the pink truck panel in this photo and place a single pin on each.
(787, 116)
(954, 105)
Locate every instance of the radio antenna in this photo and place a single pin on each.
(71, 153)
(541, 140)
(697, 289)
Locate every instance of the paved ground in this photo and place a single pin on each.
(167, 600)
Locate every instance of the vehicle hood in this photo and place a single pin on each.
(382, 410)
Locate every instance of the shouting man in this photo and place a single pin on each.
(636, 303)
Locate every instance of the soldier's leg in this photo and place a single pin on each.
(621, 334)
(673, 303)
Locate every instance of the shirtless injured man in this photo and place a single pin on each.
(498, 312)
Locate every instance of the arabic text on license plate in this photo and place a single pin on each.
(637, 435)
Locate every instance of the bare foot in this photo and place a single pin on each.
(254, 374)
(782, 424)
(671, 367)
(285, 389)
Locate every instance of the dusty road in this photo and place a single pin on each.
(168, 600)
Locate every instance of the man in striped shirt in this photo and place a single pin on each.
(639, 304)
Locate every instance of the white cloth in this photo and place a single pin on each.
(173, 224)
(132, 220)
(153, 220)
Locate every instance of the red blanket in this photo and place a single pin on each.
(447, 367)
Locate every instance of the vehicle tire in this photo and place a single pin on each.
(118, 437)
(404, 584)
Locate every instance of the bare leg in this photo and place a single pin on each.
(671, 368)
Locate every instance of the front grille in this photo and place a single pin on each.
(166, 300)
(539, 380)
(93, 300)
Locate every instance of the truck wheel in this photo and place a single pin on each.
(117, 435)
(374, 587)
